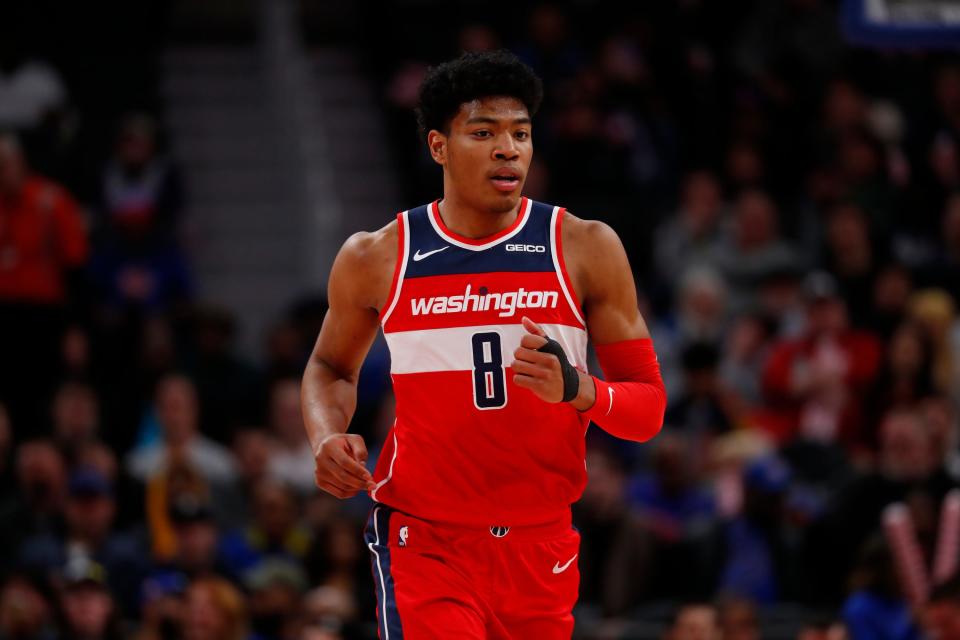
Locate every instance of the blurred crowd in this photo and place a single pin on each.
(791, 207)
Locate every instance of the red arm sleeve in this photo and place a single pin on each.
(631, 402)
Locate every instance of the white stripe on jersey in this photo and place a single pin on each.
(403, 266)
(450, 349)
(554, 220)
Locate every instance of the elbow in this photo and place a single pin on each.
(652, 423)
(655, 428)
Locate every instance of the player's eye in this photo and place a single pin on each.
(522, 135)
(483, 133)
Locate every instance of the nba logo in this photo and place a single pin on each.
(403, 536)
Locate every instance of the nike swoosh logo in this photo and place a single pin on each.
(610, 389)
(558, 569)
(417, 257)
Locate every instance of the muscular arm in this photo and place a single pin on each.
(359, 283)
(631, 402)
(603, 280)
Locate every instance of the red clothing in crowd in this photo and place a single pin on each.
(857, 355)
(41, 236)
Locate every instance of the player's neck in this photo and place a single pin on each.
(471, 222)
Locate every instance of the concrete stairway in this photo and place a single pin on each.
(283, 156)
(245, 199)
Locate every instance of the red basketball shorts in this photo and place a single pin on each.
(495, 583)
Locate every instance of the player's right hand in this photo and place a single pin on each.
(340, 471)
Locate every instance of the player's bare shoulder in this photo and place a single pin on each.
(592, 251)
(365, 265)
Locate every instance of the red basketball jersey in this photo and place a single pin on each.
(468, 446)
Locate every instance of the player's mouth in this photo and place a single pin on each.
(505, 179)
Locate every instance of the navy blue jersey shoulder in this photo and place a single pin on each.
(432, 255)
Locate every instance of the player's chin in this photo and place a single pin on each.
(501, 201)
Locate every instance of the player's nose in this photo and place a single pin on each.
(506, 148)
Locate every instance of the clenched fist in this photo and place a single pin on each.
(340, 471)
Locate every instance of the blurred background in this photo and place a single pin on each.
(175, 178)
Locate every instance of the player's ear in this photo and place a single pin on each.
(437, 143)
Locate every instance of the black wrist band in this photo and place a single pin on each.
(571, 379)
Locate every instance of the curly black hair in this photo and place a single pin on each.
(472, 76)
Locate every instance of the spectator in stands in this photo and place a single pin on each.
(320, 632)
(943, 269)
(178, 484)
(178, 414)
(76, 416)
(141, 191)
(252, 449)
(876, 607)
(276, 589)
(738, 620)
(940, 414)
(214, 610)
(891, 293)
(549, 49)
(138, 263)
(700, 317)
(161, 607)
(757, 555)
(823, 629)
(935, 311)
(24, 611)
(292, 459)
(89, 515)
(135, 274)
(87, 605)
(43, 245)
(676, 511)
(274, 532)
(908, 470)
(754, 248)
(338, 563)
(941, 615)
(696, 622)
(196, 548)
(852, 258)
(613, 570)
(744, 167)
(814, 382)
(744, 354)
(285, 351)
(705, 407)
(938, 145)
(37, 507)
(670, 500)
(687, 238)
(331, 608)
(229, 389)
(905, 378)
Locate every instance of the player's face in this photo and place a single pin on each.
(487, 153)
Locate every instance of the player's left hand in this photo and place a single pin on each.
(535, 370)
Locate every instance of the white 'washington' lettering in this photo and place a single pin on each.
(506, 302)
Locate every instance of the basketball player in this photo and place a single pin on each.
(486, 299)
